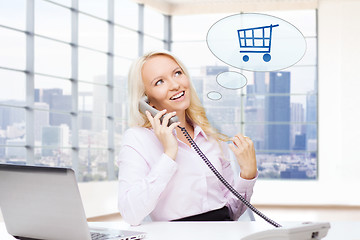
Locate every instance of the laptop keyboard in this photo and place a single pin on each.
(102, 236)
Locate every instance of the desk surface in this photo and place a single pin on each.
(213, 230)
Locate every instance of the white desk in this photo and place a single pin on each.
(214, 230)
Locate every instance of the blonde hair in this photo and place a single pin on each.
(195, 113)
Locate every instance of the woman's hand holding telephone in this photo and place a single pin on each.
(163, 125)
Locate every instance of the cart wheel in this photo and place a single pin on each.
(267, 57)
(246, 58)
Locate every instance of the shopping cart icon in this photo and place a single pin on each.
(256, 40)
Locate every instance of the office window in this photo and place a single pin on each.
(62, 94)
(70, 107)
(52, 57)
(92, 33)
(12, 47)
(15, 83)
(94, 7)
(13, 15)
(126, 13)
(52, 21)
(126, 43)
(92, 66)
(278, 110)
(153, 23)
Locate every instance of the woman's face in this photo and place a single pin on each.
(165, 83)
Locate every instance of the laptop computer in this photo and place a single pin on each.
(45, 203)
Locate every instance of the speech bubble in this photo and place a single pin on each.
(213, 95)
(231, 80)
(256, 42)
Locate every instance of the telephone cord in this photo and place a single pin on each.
(223, 180)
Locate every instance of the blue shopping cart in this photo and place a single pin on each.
(256, 40)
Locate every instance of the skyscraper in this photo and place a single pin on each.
(278, 111)
(41, 119)
(311, 115)
(56, 101)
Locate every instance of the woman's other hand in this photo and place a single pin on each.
(164, 132)
(244, 151)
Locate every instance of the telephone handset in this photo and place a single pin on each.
(144, 106)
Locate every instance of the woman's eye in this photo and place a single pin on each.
(159, 82)
(178, 73)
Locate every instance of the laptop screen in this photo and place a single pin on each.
(42, 202)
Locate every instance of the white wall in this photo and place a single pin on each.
(339, 124)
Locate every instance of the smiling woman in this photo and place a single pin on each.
(166, 85)
(156, 162)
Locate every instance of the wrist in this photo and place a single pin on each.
(171, 154)
(248, 175)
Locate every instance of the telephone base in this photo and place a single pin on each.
(304, 231)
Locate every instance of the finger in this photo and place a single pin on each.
(237, 142)
(158, 116)
(242, 139)
(232, 147)
(167, 117)
(248, 140)
(174, 125)
(151, 119)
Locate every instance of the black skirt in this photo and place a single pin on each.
(221, 214)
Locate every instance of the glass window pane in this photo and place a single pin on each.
(93, 132)
(52, 21)
(94, 7)
(151, 44)
(203, 57)
(12, 13)
(53, 156)
(126, 43)
(93, 98)
(92, 66)
(63, 2)
(120, 102)
(304, 20)
(224, 119)
(12, 88)
(55, 93)
(291, 108)
(12, 122)
(11, 154)
(126, 13)
(53, 137)
(121, 69)
(120, 127)
(153, 23)
(12, 48)
(52, 57)
(283, 136)
(64, 122)
(193, 27)
(93, 165)
(275, 165)
(93, 33)
(310, 57)
(41, 120)
(297, 80)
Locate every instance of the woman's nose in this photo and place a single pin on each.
(174, 84)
